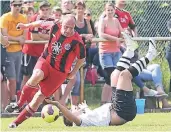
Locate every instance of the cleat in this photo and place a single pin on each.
(12, 125)
(152, 51)
(12, 107)
(130, 44)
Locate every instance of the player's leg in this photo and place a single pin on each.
(124, 61)
(125, 77)
(123, 99)
(28, 91)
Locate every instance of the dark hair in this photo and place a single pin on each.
(67, 122)
(81, 3)
(25, 10)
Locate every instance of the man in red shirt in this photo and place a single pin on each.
(33, 51)
(53, 67)
(124, 17)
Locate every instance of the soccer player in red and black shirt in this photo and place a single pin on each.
(53, 67)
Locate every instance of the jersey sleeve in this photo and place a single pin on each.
(80, 50)
(131, 22)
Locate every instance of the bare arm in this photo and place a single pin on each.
(67, 113)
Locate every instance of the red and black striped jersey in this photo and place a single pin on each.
(62, 50)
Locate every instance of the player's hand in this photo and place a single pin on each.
(83, 105)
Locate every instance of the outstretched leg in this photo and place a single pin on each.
(125, 77)
(123, 99)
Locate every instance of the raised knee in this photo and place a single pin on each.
(125, 74)
(37, 75)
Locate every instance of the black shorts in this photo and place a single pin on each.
(28, 64)
(123, 103)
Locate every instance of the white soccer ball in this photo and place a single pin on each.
(50, 113)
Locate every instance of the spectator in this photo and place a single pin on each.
(109, 52)
(4, 90)
(124, 17)
(14, 55)
(67, 6)
(57, 13)
(33, 51)
(152, 73)
(28, 3)
(168, 50)
(28, 11)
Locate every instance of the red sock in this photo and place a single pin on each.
(25, 114)
(27, 94)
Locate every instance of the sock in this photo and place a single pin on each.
(25, 114)
(27, 94)
(138, 66)
(124, 61)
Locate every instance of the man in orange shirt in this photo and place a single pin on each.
(9, 22)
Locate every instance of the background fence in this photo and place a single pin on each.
(150, 16)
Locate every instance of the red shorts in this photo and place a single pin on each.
(53, 79)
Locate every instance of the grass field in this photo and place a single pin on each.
(150, 122)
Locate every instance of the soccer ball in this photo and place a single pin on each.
(50, 113)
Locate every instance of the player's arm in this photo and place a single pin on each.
(67, 113)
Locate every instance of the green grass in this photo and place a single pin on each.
(150, 122)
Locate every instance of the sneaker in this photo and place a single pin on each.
(151, 93)
(130, 44)
(152, 51)
(12, 107)
(12, 125)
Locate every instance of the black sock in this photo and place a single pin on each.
(138, 66)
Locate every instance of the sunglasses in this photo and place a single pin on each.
(15, 5)
(28, 2)
(87, 14)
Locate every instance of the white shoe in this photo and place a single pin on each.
(12, 125)
(151, 93)
(130, 44)
(152, 51)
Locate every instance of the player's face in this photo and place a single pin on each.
(109, 11)
(68, 28)
(16, 7)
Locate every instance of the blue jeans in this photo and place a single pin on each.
(152, 73)
(76, 88)
(109, 59)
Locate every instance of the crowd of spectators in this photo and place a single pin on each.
(18, 59)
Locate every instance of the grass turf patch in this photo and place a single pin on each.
(148, 122)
